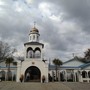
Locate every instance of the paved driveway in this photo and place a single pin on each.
(44, 86)
(77, 86)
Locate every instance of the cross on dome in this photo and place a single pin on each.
(34, 24)
(34, 29)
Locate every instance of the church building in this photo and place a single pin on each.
(33, 68)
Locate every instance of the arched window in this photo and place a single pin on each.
(14, 77)
(84, 74)
(30, 37)
(53, 75)
(89, 74)
(62, 76)
(0, 74)
(33, 37)
(3, 75)
(37, 53)
(9, 75)
(37, 37)
(30, 53)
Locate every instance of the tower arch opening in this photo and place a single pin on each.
(32, 74)
(37, 52)
(30, 53)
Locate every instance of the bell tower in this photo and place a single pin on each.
(33, 48)
(33, 65)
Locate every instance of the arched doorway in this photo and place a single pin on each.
(33, 74)
(84, 74)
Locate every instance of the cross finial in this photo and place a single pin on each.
(73, 54)
(34, 24)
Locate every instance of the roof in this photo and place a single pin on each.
(52, 67)
(81, 66)
(34, 43)
(84, 65)
(7, 67)
(34, 30)
(75, 58)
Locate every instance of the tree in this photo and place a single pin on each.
(86, 57)
(87, 54)
(6, 55)
(21, 58)
(57, 63)
(5, 51)
(9, 60)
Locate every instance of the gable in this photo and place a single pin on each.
(73, 63)
(88, 68)
(85, 66)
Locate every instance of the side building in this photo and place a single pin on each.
(73, 70)
(8, 73)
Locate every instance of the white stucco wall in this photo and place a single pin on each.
(39, 64)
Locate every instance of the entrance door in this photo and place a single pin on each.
(32, 74)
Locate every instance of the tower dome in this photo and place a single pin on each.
(34, 35)
(35, 30)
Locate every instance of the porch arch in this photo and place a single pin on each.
(84, 74)
(33, 74)
(89, 74)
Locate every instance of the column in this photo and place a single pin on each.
(74, 76)
(66, 75)
(18, 71)
(80, 76)
(87, 77)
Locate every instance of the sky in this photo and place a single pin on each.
(64, 25)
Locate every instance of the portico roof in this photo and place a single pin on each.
(33, 43)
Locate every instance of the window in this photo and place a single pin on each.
(30, 37)
(2, 73)
(89, 74)
(9, 77)
(84, 74)
(30, 54)
(37, 37)
(37, 54)
(33, 37)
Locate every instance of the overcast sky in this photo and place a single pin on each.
(64, 25)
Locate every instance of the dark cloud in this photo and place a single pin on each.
(78, 11)
(63, 24)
